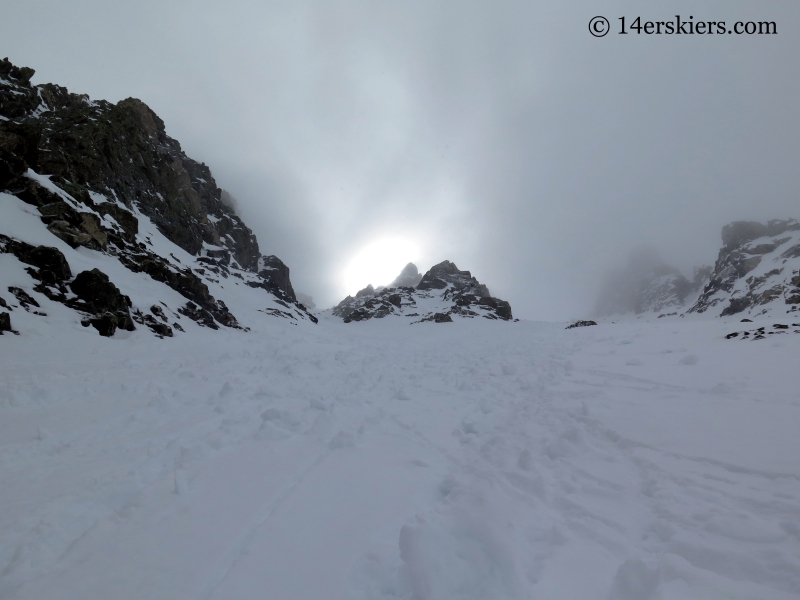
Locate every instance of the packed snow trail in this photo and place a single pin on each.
(381, 460)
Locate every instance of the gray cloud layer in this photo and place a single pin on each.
(500, 135)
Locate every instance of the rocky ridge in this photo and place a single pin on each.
(757, 271)
(106, 178)
(442, 293)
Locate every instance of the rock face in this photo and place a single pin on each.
(757, 271)
(95, 172)
(647, 285)
(442, 293)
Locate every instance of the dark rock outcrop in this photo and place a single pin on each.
(5, 322)
(51, 267)
(25, 300)
(183, 281)
(761, 332)
(98, 296)
(274, 277)
(48, 267)
(438, 318)
(580, 324)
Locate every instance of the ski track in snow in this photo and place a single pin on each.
(265, 513)
(381, 460)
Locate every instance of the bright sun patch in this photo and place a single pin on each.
(379, 263)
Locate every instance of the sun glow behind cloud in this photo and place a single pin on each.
(379, 262)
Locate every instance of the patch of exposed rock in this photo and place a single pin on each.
(761, 333)
(5, 322)
(580, 324)
(95, 294)
(91, 292)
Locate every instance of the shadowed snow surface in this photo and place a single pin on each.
(467, 460)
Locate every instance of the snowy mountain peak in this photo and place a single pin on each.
(446, 274)
(440, 294)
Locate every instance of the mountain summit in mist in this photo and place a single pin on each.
(647, 285)
(756, 273)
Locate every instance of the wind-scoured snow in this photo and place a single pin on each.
(467, 460)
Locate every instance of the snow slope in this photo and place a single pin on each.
(474, 459)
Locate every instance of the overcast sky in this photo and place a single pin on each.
(499, 135)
